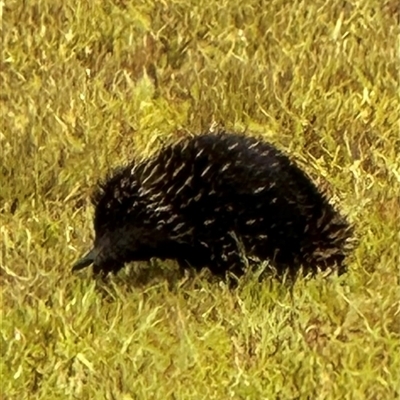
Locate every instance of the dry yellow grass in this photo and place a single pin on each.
(87, 85)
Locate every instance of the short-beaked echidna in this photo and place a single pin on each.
(210, 200)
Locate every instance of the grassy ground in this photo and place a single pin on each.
(87, 85)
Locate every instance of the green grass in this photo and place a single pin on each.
(86, 86)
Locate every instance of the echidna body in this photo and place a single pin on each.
(210, 200)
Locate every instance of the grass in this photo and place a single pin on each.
(87, 85)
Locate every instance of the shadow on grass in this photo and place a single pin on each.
(166, 275)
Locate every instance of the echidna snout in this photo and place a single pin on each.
(108, 254)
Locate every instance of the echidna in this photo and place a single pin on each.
(211, 200)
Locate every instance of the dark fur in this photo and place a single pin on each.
(201, 200)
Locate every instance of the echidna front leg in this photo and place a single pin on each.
(195, 256)
(226, 255)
